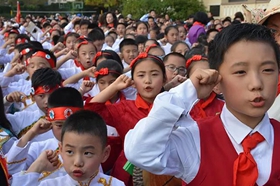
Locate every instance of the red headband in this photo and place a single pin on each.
(150, 47)
(194, 58)
(85, 42)
(25, 51)
(52, 30)
(13, 31)
(21, 41)
(43, 55)
(6, 34)
(43, 89)
(143, 55)
(104, 71)
(98, 54)
(61, 113)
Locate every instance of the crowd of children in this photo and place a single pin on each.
(153, 102)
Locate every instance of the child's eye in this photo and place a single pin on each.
(69, 152)
(140, 75)
(240, 72)
(88, 153)
(269, 70)
(154, 74)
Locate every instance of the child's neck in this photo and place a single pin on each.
(115, 98)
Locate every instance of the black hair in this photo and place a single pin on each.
(167, 29)
(210, 31)
(46, 24)
(227, 19)
(126, 36)
(63, 25)
(96, 34)
(77, 23)
(109, 54)
(37, 44)
(154, 42)
(4, 122)
(115, 20)
(174, 46)
(86, 122)
(172, 54)
(155, 60)
(239, 15)
(71, 34)
(84, 22)
(46, 77)
(65, 97)
(150, 17)
(235, 33)
(234, 22)
(126, 42)
(112, 65)
(113, 32)
(121, 24)
(56, 39)
(140, 39)
(202, 39)
(197, 50)
(23, 46)
(141, 22)
(201, 17)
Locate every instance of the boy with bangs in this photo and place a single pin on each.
(36, 59)
(44, 82)
(82, 148)
(61, 104)
(238, 147)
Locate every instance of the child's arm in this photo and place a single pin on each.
(74, 79)
(121, 83)
(70, 55)
(47, 161)
(168, 136)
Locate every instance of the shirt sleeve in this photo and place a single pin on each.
(68, 28)
(174, 148)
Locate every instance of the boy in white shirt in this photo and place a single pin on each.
(83, 148)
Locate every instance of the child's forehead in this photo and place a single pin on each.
(70, 138)
(129, 47)
(38, 60)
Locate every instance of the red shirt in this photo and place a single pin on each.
(123, 116)
(206, 108)
(218, 155)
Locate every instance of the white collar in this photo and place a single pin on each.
(238, 130)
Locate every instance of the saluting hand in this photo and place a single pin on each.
(204, 81)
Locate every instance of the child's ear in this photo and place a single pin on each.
(106, 153)
(217, 89)
(132, 84)
(121, 56)
(60, 147)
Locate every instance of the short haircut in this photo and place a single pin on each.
(126, 42)
(210, 31)
(65, 97)
(86, 122)
(46, 77)
(84, 22)
(140, 39)
(37, 44)
(167, 29)
(173, 54)
(236, 33)
(109, 54)
(96, 34)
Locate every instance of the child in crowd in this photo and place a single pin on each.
(109, 40)
(171, 35)
(141, 29)
(180, 47)
(212, 104)
(155, 50)
(129, 51)
(238, 147)
(61, 104)
(44, 82)
(83, 148)
(37, 59)
(98, 38)
(148, 74)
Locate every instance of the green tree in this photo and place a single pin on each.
(176, 9)
(103, 3)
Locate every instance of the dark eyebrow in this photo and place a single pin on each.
(272, 24)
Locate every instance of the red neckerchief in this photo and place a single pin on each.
(121, 97)
(81, 67)
(198, 23)
(140, 103)
(202, 104)
(3, 164)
